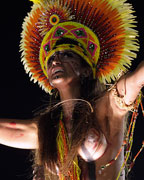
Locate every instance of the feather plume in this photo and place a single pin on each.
(35, 1)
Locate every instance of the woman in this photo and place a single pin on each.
(94, 121)
(64, 74)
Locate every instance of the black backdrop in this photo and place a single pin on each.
(19, 97)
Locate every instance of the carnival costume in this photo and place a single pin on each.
(100, 31)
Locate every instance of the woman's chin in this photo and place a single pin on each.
(62, 82)
(58, 77)
(57, 80)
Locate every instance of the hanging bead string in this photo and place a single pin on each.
(62, 144)
(129, 142)
(113, 160)
(134, 116)
(129, 146)
(131, 126)
(132, 164)
(142, 108)
(142, 147)
(63, 147)
(129, 137)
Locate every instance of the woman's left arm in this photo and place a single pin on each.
(130, 85)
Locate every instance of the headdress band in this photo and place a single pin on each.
(71, 36)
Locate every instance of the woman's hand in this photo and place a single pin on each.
(18, 133)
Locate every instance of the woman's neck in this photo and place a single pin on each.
(67, 95)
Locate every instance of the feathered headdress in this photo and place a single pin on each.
(100, 31)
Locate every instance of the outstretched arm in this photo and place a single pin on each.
(18, 133)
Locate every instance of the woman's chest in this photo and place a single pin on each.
(108, 166)
(113, 128)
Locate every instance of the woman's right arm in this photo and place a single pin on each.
(18, 133)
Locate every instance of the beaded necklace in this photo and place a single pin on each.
(63, 146)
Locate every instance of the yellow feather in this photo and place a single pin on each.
(35, 1)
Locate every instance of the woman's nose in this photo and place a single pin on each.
(56, 60)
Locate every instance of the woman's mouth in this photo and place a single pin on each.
(57, 72)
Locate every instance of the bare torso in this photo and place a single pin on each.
(111, 120)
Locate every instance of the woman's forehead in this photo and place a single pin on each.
(71, 55)
(67, 51)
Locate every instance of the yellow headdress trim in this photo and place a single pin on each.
(77, 38)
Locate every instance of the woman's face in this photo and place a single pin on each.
(64, 68)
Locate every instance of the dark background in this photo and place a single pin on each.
(19, 97)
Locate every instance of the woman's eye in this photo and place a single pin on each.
(50, 60)
(67, 55)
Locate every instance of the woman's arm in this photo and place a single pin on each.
(18, 133)
(130, 85)
(127, 90)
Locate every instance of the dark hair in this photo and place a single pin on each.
(83, 121)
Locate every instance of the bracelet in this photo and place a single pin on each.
(120, 100)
